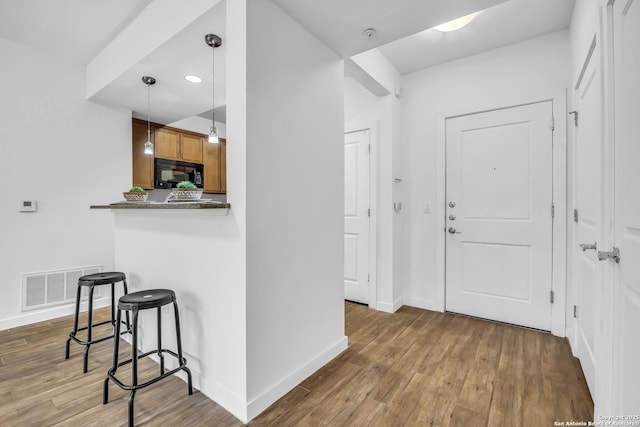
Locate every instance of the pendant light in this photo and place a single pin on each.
(148, 146)
(213, 41)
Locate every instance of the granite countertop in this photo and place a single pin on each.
(199, 204)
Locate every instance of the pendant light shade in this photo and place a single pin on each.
(148, 146)
(213, 41)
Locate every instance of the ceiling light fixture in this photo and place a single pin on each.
(213, 41)
(148, 146)
(456, 24)
(192, 78)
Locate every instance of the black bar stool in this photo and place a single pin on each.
(90, 281)
(134, 302)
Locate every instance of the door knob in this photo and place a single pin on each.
(452, 204)
(586, 246)
(452, 230)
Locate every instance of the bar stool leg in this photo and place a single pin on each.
(132, 396)
(113, 300)
(75, 322)
(85, 365)
(116, 351)
(179, 339)
(126, 291)
(159, 329)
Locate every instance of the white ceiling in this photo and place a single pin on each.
(172, 97)
(500, 25)
(74, 29)
(80, 29)
(340, 23)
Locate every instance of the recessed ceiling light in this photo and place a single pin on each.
(456, 24)
(193, 79)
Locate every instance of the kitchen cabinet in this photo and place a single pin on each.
(191, 147)
(174, 144)
(177, 144)
(142, 163)
(215, 167)
(167, 144)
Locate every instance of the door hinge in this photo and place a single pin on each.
(553, 210)
(553, 123)
(575, 311)
(368, 277)
(575, 215)
(369, 148)
(369, 212)
(551, 297)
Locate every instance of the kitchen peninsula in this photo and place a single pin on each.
(166, 206)
(187, 247)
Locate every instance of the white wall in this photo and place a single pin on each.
(530, 71)
(64, 152)
(362, 109)
(295, 187)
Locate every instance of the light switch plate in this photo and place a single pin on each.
(27, 206)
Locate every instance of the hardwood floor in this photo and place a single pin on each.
(411, 368)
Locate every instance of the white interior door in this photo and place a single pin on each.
(356, 216)
(499, 215)
(627, 208)
(588, 201)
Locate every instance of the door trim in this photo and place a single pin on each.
(559, 195)
(372, 127)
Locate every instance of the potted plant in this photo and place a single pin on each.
(136, 194)
(186, 190)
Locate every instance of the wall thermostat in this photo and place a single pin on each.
(27, 206)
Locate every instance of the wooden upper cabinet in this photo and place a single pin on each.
(173, 144)
(191, 148)
(212, 167)
(142, 163)
(167, 144)
(223, 165)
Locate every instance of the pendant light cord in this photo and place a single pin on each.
(213, 86)
(148, 112)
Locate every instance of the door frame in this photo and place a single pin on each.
(372, 127)
(559, 196)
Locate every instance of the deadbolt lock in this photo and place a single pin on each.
(452, 204)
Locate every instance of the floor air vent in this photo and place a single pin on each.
(57, 287)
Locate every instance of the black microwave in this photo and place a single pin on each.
(168, 173)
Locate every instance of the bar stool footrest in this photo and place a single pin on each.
(81, 342)
(182, 367)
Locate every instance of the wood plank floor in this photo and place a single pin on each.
(411, 368)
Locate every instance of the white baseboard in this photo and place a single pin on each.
(265, 399)
(49, 313)
(247, 411)
(422, 303)
(390, 308)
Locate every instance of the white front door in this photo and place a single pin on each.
(588, 203)
(356, 216)
(626, 345)
(499, 215)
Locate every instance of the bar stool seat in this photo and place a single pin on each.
(134, 302)
(90, 281)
